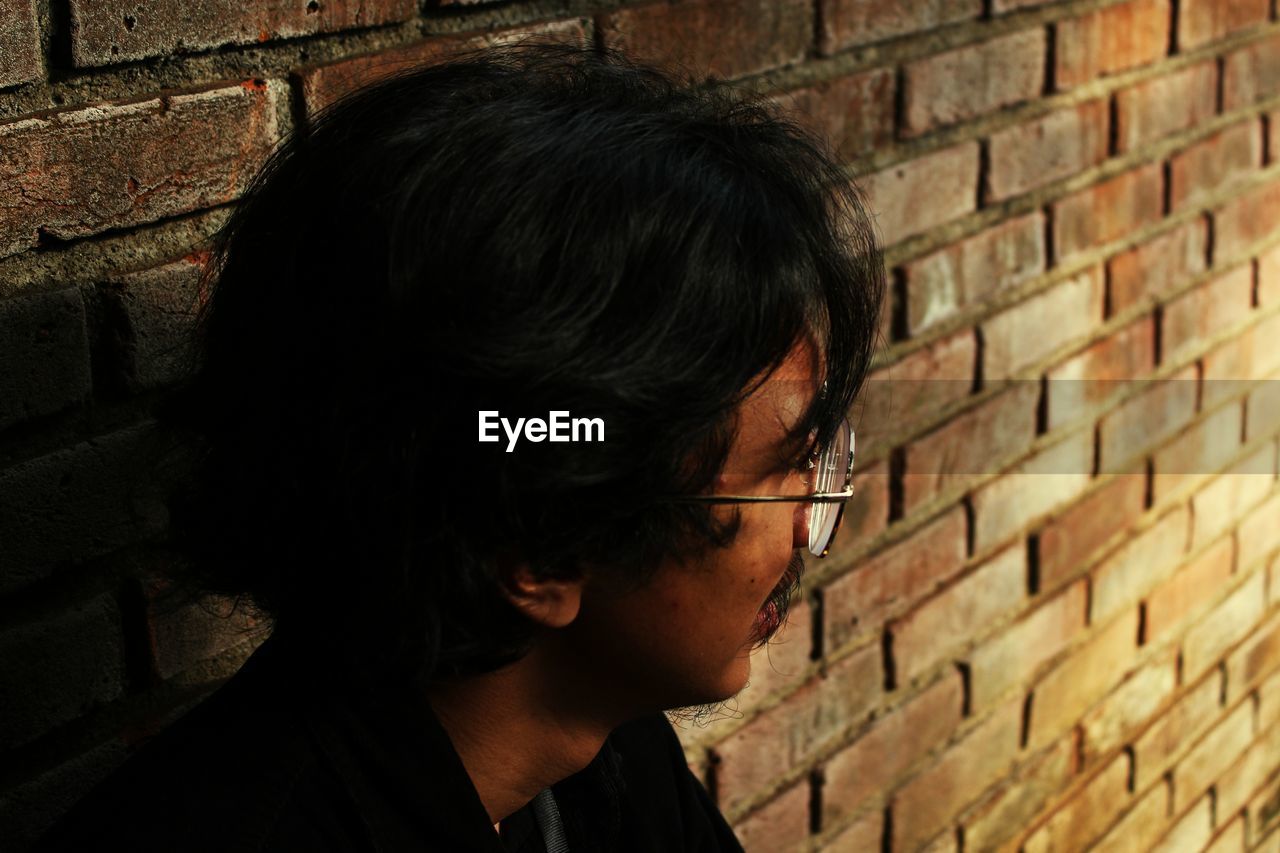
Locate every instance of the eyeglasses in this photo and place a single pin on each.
(823, 517)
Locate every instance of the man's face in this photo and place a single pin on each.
(686, 637)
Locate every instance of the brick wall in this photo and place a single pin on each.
(1051, 620)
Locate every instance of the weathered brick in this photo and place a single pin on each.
(1224, 626)
(1269, 700)
(1259, 533)
(1192, 831)
(1215, 164)
(44, 355)
(1108, 211)
(1264, 818)
(950, 618)
(1158, 266)
(914, 196)
(1108, 367)
(1262, 415)
(1139, 564)
(1269, 274)
(1082, 528)
(720, 39)
(1083, 817)
(782, 824)
(1009, 5)
(845, 23)
(325, 83)
(1230, 839)
(1014, 655)
(855, 112)
(76, 503)
(1245, 220)
(1145, 420)
(1229, 369)
(926, 803)
(1189, 716)
(1257, 657)
(791, 734)
(1140, 828)
(1052, 147)
(79, 172)
(1201, 451)
(1163, 106)
(30, 808)
(942, 283)
(104, 32)
(1217, 506)
(863, 834)
(1251, 74)
(1023, 796)
(951, 87)
(973, 443)
(867, 513)
(1111, 722)
(1109, 40)
(908, 394)
(1190, 589)
(1206, 761)
(60, 668)
(20, 59)
(1204, 21)
(875, 761)
(1072, 687)
(1051, 478)
(1035, 328)
(1206, 310)
(893, 579)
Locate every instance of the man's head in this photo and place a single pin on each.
(524, 230)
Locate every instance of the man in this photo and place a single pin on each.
(478, 620)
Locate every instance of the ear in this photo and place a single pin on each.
(548, 602)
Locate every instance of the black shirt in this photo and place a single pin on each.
(274, 760)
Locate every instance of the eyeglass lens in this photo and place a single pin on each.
(829, 472)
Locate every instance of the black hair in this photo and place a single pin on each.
(528, 228)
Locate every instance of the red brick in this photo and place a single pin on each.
(962, 275)
(20, 59)
(845, 23)
(1269, 275)
(1220, 504)
(1204, 21)
(60, 668)
(79, 172)
(1072, 687)
(1111, 722)
(1067, 540)
(712, 38)
(928, 802)
(1163, 106)
(912, 197)
(1108, 211)
(1018, 651)
(1206, 761)
(1207, 310)
(793, 733)
(970, 444)
(1269, 696)
(1192, 831)
(1111, 39)
(1215, 164)
(1189, 716)
(1009, 5)
(961, 84)
(1224, 626)
(1187, 593)
(1146, 420)
(1230, 839)
(893, 579)
(1262, 416)
(876, 760)
(1197, 453)
(782, 824)
(1264, 817)
(1245, 220)
(1054, 476)
(1139, 564)
(1256, 658)
(1023, 796)
(1093, 376)
(1251, 74)
(1032, 330)
(863, 834)
(1228, 370)
(104, 32)
(1159, 265)
(45, 353)
(866, 515)
(1259, 533)
(1140, 828)
(326, 83)
(946, 621)
(905, 396)
(1050, 148)
(1083, 817)
(855, 112)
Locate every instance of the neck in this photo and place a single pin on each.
(515, 733)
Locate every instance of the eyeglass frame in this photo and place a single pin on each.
(841, 497)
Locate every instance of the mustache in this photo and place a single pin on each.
(787, 588)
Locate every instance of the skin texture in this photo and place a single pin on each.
(606, 653)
